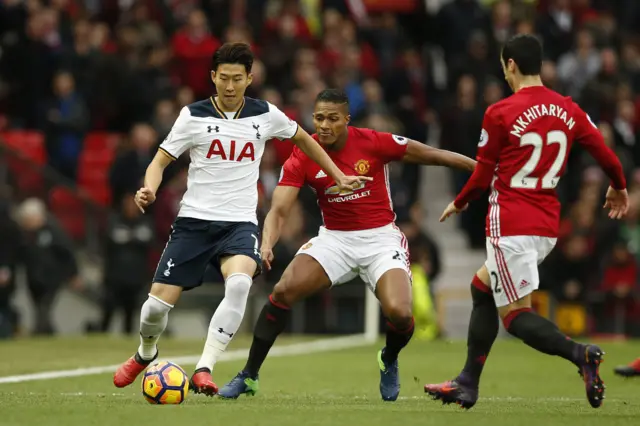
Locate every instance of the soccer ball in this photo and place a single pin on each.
(165, 383)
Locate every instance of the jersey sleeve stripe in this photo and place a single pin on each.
(296, 132)
(388, 186)
(494, 210)
(167, 153)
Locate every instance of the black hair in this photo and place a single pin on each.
(233, 53)
(526, 52)
(333, 96)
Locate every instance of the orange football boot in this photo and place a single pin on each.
(130, 369)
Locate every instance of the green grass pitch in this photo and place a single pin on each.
(520, 387)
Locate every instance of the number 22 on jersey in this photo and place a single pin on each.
(522, 178)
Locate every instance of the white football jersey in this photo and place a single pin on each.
(225, 156)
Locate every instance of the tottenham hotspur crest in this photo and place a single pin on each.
(257, 128)
(170, 265)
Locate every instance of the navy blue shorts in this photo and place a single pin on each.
(196, 246)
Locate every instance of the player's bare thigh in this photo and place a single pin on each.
(394, 292)
(303, 277)
(503, 311)
(237, 264)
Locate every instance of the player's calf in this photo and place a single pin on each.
(226, 320)
(154, 316)
(153, 320)
(303, 277)
(543, 335)
(393, 289)
(399, 334)
(483, 330)
(397, 338)
(271, 322)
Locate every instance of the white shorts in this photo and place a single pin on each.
(368, 253)
(513, 265)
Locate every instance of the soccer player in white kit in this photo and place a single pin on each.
(217, 225)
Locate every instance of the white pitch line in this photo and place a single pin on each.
(551, 399)
(322, 345)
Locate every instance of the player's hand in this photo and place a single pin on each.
(617, 201)
(144, 198)
(352, 182)
(451, 209)
(267, 257)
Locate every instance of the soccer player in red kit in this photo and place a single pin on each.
(359, 237)
(523, 150)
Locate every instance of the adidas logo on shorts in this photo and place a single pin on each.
(321, 174)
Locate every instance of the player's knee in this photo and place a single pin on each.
(281, 293)
(400, 315)
(166, 293)
(237, 287)
(154, 309)
(509, 315)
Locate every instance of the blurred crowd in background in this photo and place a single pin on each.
(118, 72)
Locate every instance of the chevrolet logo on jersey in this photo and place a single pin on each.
(334, 190)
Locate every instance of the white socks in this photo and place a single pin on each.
(153, 320)
(226, 320)
(223, 326)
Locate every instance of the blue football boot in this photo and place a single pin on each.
(389, 379)
(241, 384)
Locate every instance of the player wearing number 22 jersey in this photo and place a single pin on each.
(359, 237)
(524, 144)
(523, 150)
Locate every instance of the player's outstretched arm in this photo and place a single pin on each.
(314, 151)
(281, 203)
(419, 153)
(588, 135)
(489, 148)
(152, 179)
(479, 181)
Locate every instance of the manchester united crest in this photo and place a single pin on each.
(362, 167)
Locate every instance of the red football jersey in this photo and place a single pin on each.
(366, 153)
(523, 150)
